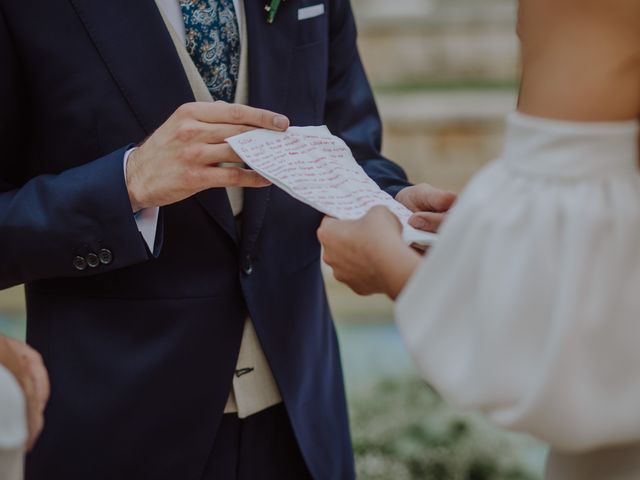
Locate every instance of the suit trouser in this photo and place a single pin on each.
(618, 463)
(260, 447)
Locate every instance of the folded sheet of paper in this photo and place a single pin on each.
(317, 168)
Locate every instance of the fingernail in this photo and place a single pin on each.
(420, 223)
(281, 122)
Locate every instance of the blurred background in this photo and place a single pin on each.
(445, 74)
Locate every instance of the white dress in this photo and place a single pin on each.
(528, 308)
(13, 426)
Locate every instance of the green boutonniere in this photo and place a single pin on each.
(272, 8)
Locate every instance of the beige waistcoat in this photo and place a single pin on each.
(257, 390)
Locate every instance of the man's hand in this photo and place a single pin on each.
(183, 156)
(428, 203)
(27, 367)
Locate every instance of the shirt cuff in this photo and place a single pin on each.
(147, 218)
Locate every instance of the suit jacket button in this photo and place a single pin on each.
(106, 257)
(247, 265)
(92, 260)
(79, 263)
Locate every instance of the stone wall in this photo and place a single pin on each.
(445, 73)
(425, 41)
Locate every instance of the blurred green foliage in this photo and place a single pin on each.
(402, 430)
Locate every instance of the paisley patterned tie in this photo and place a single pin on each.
(213, 41)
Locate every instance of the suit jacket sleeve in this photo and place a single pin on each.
(48, 220)
(351, 111)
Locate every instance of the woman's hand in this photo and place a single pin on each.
(369, 254)
(428, 204)
(27, 367)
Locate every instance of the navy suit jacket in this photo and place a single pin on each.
(141, 351)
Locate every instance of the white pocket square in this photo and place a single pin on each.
(311, 12)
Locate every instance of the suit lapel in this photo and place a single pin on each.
(270, 52)
(137, 48)
(138, 51)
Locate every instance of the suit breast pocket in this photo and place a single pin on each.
(313, 25)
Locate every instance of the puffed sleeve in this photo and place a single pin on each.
(528, 308)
